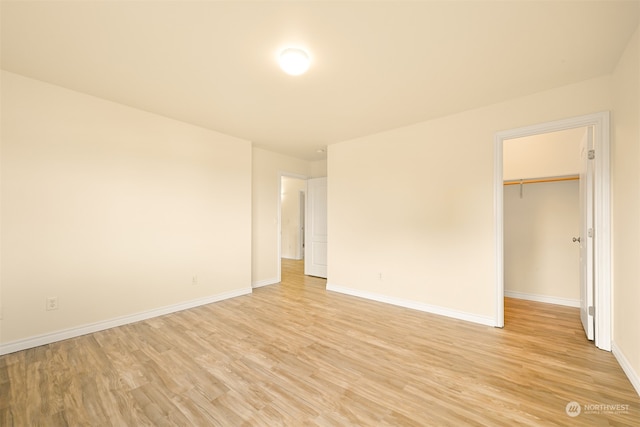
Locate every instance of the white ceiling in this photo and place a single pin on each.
(376, 65)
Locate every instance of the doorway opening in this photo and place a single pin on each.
(601, 256)
(542, 247)
(302, 223)
(292, 199)
(542, 217)
(291, 218)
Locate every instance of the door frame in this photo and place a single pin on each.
(602, 215)
(302, 199)
(282, 174)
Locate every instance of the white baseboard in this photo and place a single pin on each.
(442, 311)
(266, 282)
(633, 376)
(51, 337)
(543, 298)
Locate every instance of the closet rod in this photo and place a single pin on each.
(537, 180)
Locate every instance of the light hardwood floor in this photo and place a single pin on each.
(295, 354)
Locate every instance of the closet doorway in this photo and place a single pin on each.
(598, 126)
(542, 217)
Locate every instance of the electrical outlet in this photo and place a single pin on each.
(52, 303)
(194, 280)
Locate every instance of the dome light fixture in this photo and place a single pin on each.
(294, 61)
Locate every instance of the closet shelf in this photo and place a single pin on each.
(539, 180)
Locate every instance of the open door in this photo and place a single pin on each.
(315, 260)
(587, 308)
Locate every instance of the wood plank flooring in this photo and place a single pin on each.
(294, 354)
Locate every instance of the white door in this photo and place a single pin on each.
(586, 234)
(315, 260)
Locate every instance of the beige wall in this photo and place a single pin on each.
(626, 206)
(290, 216)
(416, 204)
(114, 210)
(546, 155)
(540, 259)
(266, 170)
(318, 169)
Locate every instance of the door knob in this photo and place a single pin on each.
(576, 239)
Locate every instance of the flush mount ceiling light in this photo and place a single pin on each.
(294, 61)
